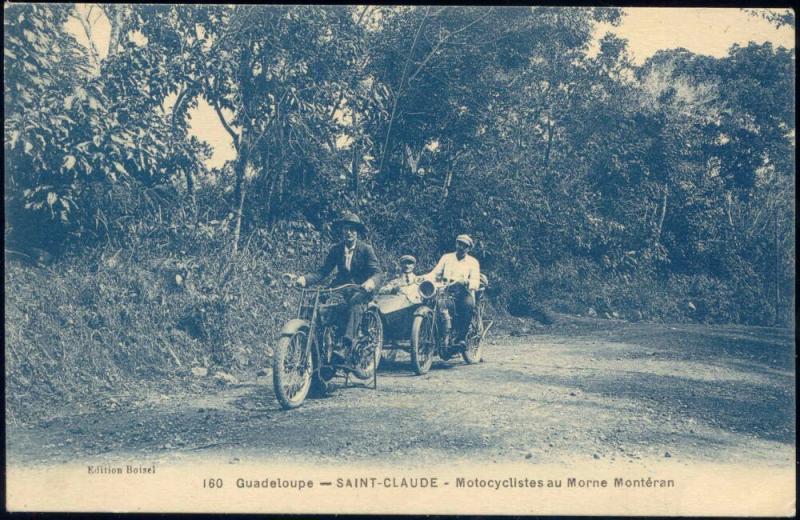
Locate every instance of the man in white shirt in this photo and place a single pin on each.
(465, 271)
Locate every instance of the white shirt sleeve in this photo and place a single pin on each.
(437, 271)
(474, 275)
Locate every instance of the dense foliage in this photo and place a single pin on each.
(591, 184)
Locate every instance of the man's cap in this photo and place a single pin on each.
(408, 259)
(352, 219)
(465, 239)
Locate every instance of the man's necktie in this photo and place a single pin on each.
(348, 258)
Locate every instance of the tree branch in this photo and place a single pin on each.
(663, 214)
(361, 17)
(218, 110)
(336, 105)
(442, 41)
(87, 30)
(176, 108)
(400, 92)
(100, 14)
(117, 17)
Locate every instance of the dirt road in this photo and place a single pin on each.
(614, 391)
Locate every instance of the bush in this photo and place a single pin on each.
(119, 317)
(85, 328)
(578, 286)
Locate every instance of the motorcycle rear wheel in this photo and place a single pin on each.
(366, 354)
(474, 351)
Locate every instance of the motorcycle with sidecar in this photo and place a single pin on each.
(423, 325)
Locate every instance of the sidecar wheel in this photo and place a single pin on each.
(422, 343)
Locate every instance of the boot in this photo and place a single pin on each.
(339, 355)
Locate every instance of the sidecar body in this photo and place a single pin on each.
(397, 311)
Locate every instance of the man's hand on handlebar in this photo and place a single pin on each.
(369, 285)
(388, 289)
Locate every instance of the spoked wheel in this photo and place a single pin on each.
(422, 343)
(292, 366)
(474, 350)
(366, 353)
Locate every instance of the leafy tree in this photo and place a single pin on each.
(85, 154)
(42, 68)
(568, 166)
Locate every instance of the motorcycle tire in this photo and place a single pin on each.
(422, 345)
(292, 349)
(367, 356)
(474, 351)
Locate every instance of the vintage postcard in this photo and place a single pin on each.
(400, 260)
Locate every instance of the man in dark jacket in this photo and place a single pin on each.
(355, 263)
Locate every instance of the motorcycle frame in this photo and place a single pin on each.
(313, 345)
(443, 294)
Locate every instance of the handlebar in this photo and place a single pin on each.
(290, 278)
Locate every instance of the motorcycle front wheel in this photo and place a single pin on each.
(292, 368)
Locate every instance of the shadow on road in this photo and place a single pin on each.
(764, 411)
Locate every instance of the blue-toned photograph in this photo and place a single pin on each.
(551, 246)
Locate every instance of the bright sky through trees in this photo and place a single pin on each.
(709, 31)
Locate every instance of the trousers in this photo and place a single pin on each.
(354, 311)
(465, 307)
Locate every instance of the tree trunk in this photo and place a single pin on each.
(777, 270)
(117, 17)
(549, 145)
(239, 195)
(395, 102)
(729, 205)
(356, 160)
(446, 186)
(661, 218)
(237, 230)
(190, 183)
(238, 172)
(185, 95)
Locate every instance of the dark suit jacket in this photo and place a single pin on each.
(363, 266)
